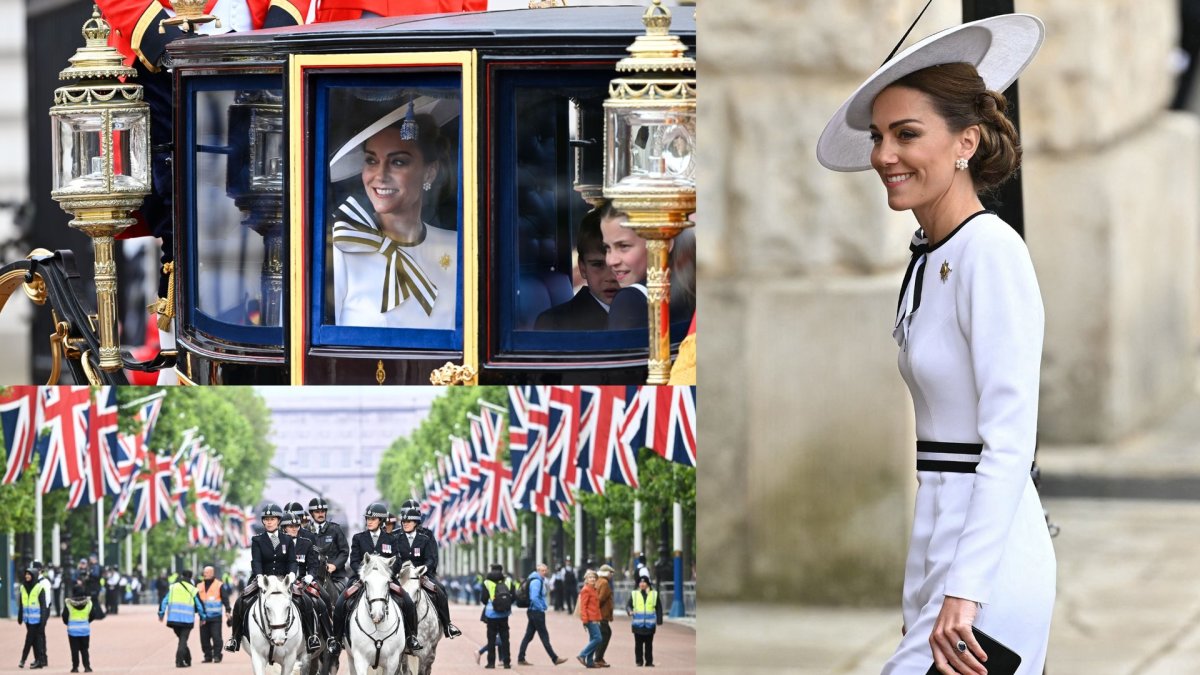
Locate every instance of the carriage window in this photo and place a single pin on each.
(234, 165)
(558, 290)
(386, 218)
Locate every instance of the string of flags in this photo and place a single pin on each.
(562, 440)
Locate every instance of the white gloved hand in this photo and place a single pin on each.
(308, 579)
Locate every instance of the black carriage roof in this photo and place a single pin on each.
(585, 28)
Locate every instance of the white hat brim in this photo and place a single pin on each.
(347, 162)
(1000, 47)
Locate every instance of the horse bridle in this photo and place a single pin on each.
(265, 625)
(386, 600)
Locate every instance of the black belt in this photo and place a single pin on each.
(948, 457)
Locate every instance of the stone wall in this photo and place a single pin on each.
(806, 493)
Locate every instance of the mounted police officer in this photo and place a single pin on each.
(329, 541)
(307, 567)
(375, 541)
(297, 510)
(418, 545)
(271, 552)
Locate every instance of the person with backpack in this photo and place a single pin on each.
(498, 590)
(532, 594)
(78, 614)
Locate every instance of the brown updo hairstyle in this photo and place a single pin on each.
(961, 98)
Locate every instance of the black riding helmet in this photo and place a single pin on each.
(410, 504)
(270, 510)
(289, 519)
(376, 510)
(411, 514)
(317, 504)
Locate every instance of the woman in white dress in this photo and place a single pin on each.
(390, 267)
(969, 325)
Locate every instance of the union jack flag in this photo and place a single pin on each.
(562, 444)
(184, 467)
(101, 476)
(210, 482)
(602, 455)
(498, 514)
(62, 450)
(664, 420)
(152, 502)
(528, 425)
(19, 416)
(135, 447)
(433, 504)
(470, 484)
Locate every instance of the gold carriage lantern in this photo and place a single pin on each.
(101, 167)
(650, 159)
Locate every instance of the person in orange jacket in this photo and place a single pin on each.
(589, 614)
(135, 33)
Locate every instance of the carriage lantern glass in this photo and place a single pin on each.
(650, 159)
(101, 169)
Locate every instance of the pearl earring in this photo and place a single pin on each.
(960, 164)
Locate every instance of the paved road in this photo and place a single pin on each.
(134, 642)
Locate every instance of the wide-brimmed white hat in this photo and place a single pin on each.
(999, 47)
(347, 162)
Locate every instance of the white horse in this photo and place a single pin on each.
(429, 629)
(274, 634)
(376, 630)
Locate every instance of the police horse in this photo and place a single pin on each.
(323, 662)
(274, 636)
(376, 627)
(429, 629)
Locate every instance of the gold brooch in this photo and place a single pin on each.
(945, 271)
(445, 261)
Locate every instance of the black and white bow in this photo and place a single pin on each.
(910, 289)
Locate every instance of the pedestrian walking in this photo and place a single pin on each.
(647, 615)
(78, 616)
(498, 590)
(931, 123)
(214, 595)
(536, 617)
(33, 610)
(180, 608)
(56, 585)
(556, 589)
(589, 614)
(605, 596)
(112, 591)
(570, 586)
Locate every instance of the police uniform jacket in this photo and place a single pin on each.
(331, 540)
(362, 544)
(265, 559)
(422, 550)
(307, 557)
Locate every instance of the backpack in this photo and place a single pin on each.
(503, 599)
(522, 597)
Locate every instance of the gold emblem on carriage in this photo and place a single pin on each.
(444, 261)
(945, 271)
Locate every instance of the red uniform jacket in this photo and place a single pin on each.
(135, 23)
(344, 10)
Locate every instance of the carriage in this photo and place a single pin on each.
(265, 156)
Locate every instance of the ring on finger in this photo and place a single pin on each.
(961, 647)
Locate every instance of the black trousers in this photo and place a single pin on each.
(537, 624)
(605, 636)
(498, 628)
(183, 655)
(210, 639)
(79, 649)
(570, 595)
(35, 639)
(643, 648)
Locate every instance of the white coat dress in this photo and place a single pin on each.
(971, 357)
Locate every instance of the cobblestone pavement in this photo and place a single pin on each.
(133, 641)
(1127, 604)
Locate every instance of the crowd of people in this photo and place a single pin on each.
(325, 563)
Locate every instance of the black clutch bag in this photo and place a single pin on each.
(1000, 659)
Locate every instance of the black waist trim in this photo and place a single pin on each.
(949, 457)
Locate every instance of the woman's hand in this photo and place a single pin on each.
(953, 625)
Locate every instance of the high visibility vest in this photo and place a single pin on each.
(77, 620)
(181, 607)
(31, 603)
(643, 609)
(211, 597)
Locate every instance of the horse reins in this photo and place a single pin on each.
(264, 622)
(386, 606)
